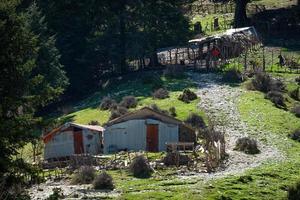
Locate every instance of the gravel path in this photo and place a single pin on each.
(220, 103)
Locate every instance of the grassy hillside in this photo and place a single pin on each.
(141, 86)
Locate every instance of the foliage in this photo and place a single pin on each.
(128, 102)
(94, 123)
(118, 112)
(277, 98)
(156, 108)
(187, 96)
(56, 195)
(297, 80)
(295, 94)
(103, 181)
(232, 76)
(296, 110)
(172, 111)
(264, 82)
(247, 145)
(140, 167)
(154, 80)
(107, 103)
(161, 93)
(195, 121)
(174, 71)
(176, 158)
(295, 135)
(294, 191)
(85, 175)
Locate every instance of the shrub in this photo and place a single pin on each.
(295, 135)
(156, 108)
(277, 98)
(161, 93)
(172, 111)
(85, 175)
(264, 82)
(297, 80)
(174, 71)
(56, 194)
(187, 96)
(294, 191)
(107, 103)
(296, 110)
(175, 158)
(140, 167)
(128, 102)
(103, 181)
(94, 123)
(232, 76)
(295, 94)
(247, 145)
(195, 121)
(118, 112)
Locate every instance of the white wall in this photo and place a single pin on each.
(131, 135)
(91, 141)
(62, 144)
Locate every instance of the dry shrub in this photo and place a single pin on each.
(277, 98)
(118, 112)
(103, 181)
(161, 93)
(128, 102)
(187, 96)
(175, 158)
(295, 135)
(264, 82)
(294, 191)
(94, 123)
(107, 103)
(195, 121)
(172, 111)
(156, 108)
(140, 167)
(232, 76)
(297, 80)
(247, 145)
(296, 110)
(174, 71)
(295, 94)
(85, 175)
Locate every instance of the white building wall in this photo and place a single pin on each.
(62, 144)
(91, 141)
(131, 135)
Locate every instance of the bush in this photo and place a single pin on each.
(277, 98)
(107, 103)
(118, 112)
(128, 102)
(247, 145)
(187, 96)
(195, 121)
(172, 111)
(264, 82)
(295, 135)
(161, 93)
(94, 123)
(103, 181)
(297, 80)
(294, 191)
(85, 175)
(156, 108)
(174, 71)
(295, 94)
(296, 111)
(140, 167)
(56, 194)
(175, 158)
(232, 76)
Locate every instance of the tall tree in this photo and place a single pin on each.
(240, 14)
(22, 89)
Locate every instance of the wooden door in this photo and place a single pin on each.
(78, 142)
(152, 137)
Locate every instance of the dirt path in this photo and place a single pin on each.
(220, 102)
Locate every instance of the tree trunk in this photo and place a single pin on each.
(154, 60)
(240, 15)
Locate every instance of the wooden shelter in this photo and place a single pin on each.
(145, 129)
